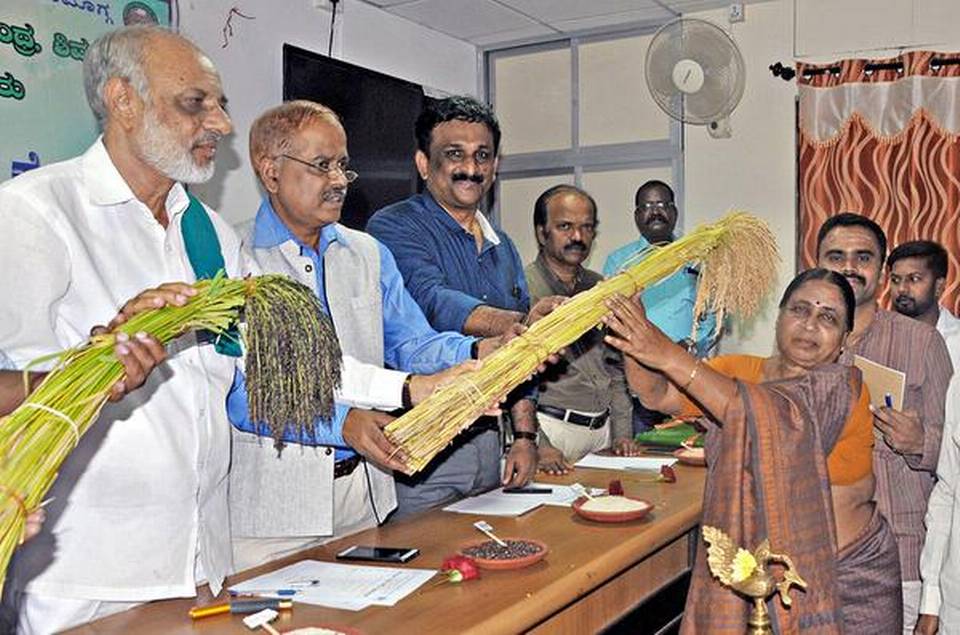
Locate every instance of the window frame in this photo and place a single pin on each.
(578, 159)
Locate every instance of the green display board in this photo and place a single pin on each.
(44, 115)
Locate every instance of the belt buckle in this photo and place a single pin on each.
(345, 467)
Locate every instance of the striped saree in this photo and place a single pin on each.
(768, 479)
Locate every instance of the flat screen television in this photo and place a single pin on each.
(378, 113)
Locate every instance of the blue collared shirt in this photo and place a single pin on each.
(409, 343)
(440, 263)
(669, 303)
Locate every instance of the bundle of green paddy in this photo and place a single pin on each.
(737, 260)
(292, 368)
(672, 436)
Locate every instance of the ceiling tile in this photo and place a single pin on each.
(557, 10)
(464, 19)
(490, 22)
(501, 37)
(612, 20)
(388, 3)
(693, 6)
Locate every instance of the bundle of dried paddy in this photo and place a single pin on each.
(737, 259)
(292, 370)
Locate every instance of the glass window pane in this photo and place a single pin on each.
(517, 197)
(614, 190)
(615, 104)
(533, 100)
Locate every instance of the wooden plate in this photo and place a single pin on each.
(502, 565)
(612, 517)
(691, 456)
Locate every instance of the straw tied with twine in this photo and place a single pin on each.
(737, 259)
(292, 368)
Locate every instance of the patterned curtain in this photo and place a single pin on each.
(880, 138)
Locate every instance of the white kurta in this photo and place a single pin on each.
(948, 325)
(145, 493)
(940, 559)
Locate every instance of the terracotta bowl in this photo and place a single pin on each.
(502, 565)
(691, 456)
(612, 517)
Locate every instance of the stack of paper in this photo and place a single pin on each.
(496, 503)
(602, 462)
(338, 586)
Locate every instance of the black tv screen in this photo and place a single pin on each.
(378, 113)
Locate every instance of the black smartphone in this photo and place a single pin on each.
(378, 554)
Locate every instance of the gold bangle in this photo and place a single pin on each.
(693, 374)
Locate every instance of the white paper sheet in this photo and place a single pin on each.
(601, 462)
(496, 503)
(344, 586)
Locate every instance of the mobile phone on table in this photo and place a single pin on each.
(378, 554)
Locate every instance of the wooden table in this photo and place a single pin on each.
(593, 575)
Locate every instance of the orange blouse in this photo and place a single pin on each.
(852, 455)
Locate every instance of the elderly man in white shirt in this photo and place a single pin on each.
(940, 559)
(140, 510)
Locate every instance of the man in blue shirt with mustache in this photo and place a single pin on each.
(466, 276)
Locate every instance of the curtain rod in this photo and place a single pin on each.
(786, 73)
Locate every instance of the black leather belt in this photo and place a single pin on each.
(346, 466)
(575, 418)
(483, 424)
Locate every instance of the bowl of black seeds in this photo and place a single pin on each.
(519, 553)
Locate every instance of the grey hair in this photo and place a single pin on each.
(119, 53)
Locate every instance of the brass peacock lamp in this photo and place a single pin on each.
(746, 573)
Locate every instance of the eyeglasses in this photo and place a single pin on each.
(660, 206)
(325, 167)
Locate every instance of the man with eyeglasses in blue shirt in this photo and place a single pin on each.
(340, 479)
(669, 304)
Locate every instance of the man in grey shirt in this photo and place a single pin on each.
(583, 402)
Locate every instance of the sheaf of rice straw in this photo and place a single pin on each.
(38, 436)
(737, 260)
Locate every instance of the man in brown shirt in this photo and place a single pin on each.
(583, 399)
(908, 441)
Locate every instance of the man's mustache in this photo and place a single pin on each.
(334, 194)
(575, 245)
(657, 216)
(211, 137)
(463, 176)
(856, 276)
(904, 299)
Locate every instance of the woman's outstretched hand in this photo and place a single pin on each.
(634, 334)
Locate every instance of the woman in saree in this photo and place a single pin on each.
(789, 448)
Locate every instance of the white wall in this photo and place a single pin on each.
(873, 28)
(754, 169)
(251, 68)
